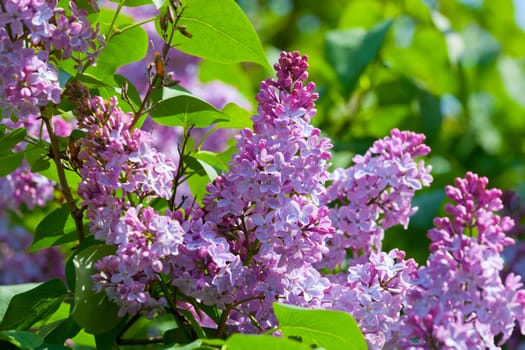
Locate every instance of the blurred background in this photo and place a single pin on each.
(451, 69)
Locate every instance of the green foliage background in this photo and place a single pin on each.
(451, 69)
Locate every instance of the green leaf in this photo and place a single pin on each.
(201, 168)
(126, 46)
(210, 171)
(197, 184)
(431, 115)
(512, 74)
(350, 51)
(395, 92)
(134, 3)
(199, 344)
(36, 157)
(182, 108)
(107, 340)
(34, 305)
(361, 14)
(429, 72)
(58, 227)
(70, 266)
(10, 162)
(220, 32)
(22, 339)
(73, 179)
(239, 118)
(65, 329)
(176, 336)
(47, 346)
(213, 159)
(199, 331)
(91, 81)
(92, 311)
(263, 342)
(8, 292)
(13, 138)
(328, 329)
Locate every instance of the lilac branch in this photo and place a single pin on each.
(76, 213)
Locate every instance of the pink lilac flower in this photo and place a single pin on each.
(120, 173)
(18, 266)
(514, 255)
(31, 31)
(23, 187)
(143, 250)
(25, 190)
(374, 294)
(261, 229)
(459, 300)
(27, 80)
(375, 194)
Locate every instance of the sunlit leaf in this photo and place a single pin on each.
(92, 311)
(22, 339)
(351, 50)
(187, 110)
(27, 308)
(58, 227)
(262, 342)
(10, 162)
(11, 139)
(126, 46)
(220, 31)
(328, 329)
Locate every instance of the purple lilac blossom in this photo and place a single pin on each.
(183, 68)
(514, 255)
(458, 299)
(28, 81)
(120, 173)
(261, 229)
(18, 266)
(375, 194)
(265, 229)
(23, 189)
(373, 293)
(23, 186)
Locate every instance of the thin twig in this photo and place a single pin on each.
(76, 213)
(181, 321)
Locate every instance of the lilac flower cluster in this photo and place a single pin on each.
(121, 173)
(514, 255)
(375, 194)
(25, 190)
(16, 265)
(30, 32)
(269, 230)
(22, 186)
(374, 293)
(262, 229)
(459, 300)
